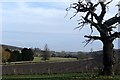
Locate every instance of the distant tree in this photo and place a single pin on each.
(5, 55)
(102, 26)
(31, 56)
(53, 55)
(46, 53)
(15, 56)
(61, 54)
(69, 55)
(12, 58)
(27, 54)
(37, 52)
(8, 50)
(81, 55)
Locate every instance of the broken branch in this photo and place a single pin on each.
(93, 37)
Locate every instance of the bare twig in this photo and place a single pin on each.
(87, 42)
(67, 9)
(80, 27)
(108, 2)
(91, 30)
(74, 15)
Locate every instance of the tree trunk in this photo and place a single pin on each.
(108, 57)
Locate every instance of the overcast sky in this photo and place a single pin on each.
(34, 24)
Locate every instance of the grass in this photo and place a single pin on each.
(39, 59)
(54, 59)
(65, 76)
(58, 59)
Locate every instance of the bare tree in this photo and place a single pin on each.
(46, 53)
(104, 27)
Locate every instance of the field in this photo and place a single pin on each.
(39, 59)
(54, 59)
(65, 76)
(55, 69)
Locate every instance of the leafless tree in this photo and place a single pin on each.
(104, 27)
(46, 53)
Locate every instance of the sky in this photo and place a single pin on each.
(36, 23)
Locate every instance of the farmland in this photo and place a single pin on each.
(34, 25)
(39, 60)
(47, 67)
(54, 59)
(58, 68)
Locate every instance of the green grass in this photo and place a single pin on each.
(39, 59)
(57, 59)
(54, 59)
(65, 76)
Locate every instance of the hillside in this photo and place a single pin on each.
(11, 47)
(94, 52)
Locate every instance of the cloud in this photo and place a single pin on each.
(37, 0)
(40, 19)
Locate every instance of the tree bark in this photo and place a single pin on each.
(108, 57)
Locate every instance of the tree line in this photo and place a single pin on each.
(11, 56)
(25, 54)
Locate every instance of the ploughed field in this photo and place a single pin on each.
(56, 70)
(86, 65)
(46, 67)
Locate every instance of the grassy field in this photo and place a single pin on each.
(39, 59)
(65, 76)
(54, 59)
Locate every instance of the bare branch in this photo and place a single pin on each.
(93, 37)
(81, 26)
(91, 11)
(105, 28)
(66, 13)
(103, 11)
(102, 14)
(89, 21)
(74, 15)
(115, 35)
(108, 2)
(91, 29)
(67, 9)
(93, 24)
(112, 21)
(87, 42)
